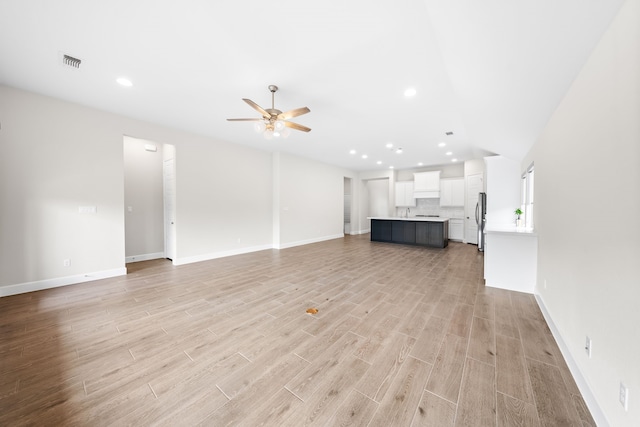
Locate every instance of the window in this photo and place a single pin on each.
(526, 196)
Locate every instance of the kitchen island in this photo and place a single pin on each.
(421, 231)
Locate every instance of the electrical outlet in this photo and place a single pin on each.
(624, 396)
(66, 262)
(587, 347)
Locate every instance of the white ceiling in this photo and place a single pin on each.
(491, 71)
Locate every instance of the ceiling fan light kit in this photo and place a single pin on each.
(274, 123)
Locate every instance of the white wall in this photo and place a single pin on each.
(587, 200)
(378, 190)
(364, 225)
(473, 167)
(143, 196)
(223, 199)
(502, 182)
(58, 156)
(311, 202)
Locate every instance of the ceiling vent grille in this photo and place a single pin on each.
(70, 61)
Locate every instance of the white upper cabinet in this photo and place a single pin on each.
(426, 184)
(404, 194)
(452, 192)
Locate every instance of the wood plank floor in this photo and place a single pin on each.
(404, 336)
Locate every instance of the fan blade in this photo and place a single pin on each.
(244, 120)
(293, 113)
(258, 108)
(296, 126)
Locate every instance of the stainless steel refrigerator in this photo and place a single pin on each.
(481, 212)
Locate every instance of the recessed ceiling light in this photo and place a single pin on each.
(352, 152)
(124, 82)
(442, 144)
(410, 92)
(399, 151)
(389, 145)
(454, 160)
(420, 164)
(390, 167)
(448, 153)
(379, 162)
(364, 156)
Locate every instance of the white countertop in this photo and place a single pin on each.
(510, 229)
(411, 218)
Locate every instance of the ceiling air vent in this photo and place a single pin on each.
(70, 61)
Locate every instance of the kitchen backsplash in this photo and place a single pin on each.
(432, 207)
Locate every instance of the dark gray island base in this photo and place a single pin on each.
(421, 232)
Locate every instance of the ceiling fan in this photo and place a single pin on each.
(274, 122)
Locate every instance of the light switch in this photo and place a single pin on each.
(129, 208)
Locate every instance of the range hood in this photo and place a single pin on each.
(426, 185)
(426, 194)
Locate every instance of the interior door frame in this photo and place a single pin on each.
(169, 204)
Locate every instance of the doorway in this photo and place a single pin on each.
(347, 206)
(149, 170)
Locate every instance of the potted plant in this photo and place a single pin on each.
(518, 212)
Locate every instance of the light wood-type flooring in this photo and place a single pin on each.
(404, 336)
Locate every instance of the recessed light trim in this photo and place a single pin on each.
(389, 145)
(379, 162)
(124, 81)
(364, 156)
(409, 92)
(420, 164)
(399, 151)
(352, 152)
(448, 153)
(454, 160)
(442, 144)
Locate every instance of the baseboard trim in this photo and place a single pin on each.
(221, 254)
(22, 288)
(144, 257)
(309, 241)
(359, 232)
(588, 396)
(525, 289)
